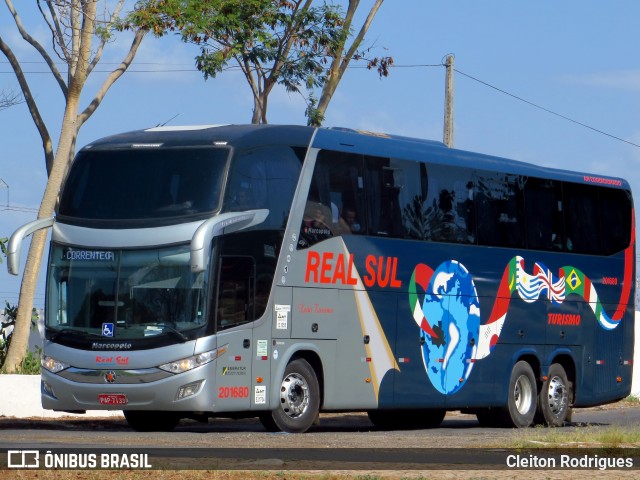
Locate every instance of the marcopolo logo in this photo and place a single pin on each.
(111, 346)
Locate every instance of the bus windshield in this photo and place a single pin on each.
(124, 294)
(144, 184)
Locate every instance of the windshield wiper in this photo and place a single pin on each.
(80, 333)
(174, 331)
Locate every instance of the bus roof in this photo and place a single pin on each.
(341, 139)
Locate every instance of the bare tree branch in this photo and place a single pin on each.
(10, 99)
(35, 44)
(57, 36)
(358, 40)
(117, 73)
(104, 39)
(33, 107)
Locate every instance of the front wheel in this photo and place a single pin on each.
(299, 400)
(522, 396)
(555, 397)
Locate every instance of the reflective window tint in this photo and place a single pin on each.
(442, 203)
(264, 178)
(133, 293)
(152, 184)
(336, 201)
(499, 203)
(543, 207)
(615, 217)
(235, 304)
(385, 180)
(449, 205)
(582, 219)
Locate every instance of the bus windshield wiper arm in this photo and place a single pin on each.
(57, 333)
(174, 331)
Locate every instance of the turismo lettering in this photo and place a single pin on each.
(564, 319)
(331, 268)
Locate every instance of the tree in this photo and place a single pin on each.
(73, 26)
(9, 99)
(341, 59)
(273, 42)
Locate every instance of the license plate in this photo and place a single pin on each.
(112, 399)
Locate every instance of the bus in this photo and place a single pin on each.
(281, 272)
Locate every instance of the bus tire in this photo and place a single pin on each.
(522, 396)
(151, 420)
(299, 400)
(554, 398)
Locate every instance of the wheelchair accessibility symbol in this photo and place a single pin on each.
(107, 329)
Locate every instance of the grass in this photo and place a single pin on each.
(607, 437)
(632, 400)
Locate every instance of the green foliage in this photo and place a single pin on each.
(285, 42)
(31, 363)
(314, 117)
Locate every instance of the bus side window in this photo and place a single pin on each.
(543, 210)
(615, 218)
(500, 210)
(235, 302)
(336, 201)
(383, 197)
(582, 218)
(447, 211)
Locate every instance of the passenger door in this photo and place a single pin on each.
(235, 308)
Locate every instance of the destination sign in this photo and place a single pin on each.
(71, 254)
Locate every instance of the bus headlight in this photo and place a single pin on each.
(53, 365)
(189, 363)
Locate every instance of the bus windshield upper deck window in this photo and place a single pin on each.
(144, 184)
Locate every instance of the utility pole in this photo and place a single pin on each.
(448, 104)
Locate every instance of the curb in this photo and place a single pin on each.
(21, 399)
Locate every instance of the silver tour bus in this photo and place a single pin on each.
(282, 271)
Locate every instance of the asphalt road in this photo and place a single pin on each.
(345, 442)
(334, 431)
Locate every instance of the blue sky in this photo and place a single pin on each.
(577, 58)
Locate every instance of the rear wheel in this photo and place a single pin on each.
(555, 397)
(151, 420)
(522, 396)
(299, 400)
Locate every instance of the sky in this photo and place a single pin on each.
(550, 83)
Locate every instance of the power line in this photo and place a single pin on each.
(400, 66)
(15, 208)
(546, 109)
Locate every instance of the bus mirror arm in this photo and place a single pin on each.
(215, 226)
(15, 242)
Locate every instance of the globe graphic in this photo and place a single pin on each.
(452, 309)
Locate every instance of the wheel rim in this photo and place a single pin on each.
(294, 395)
(558, 396)
(523, 394)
